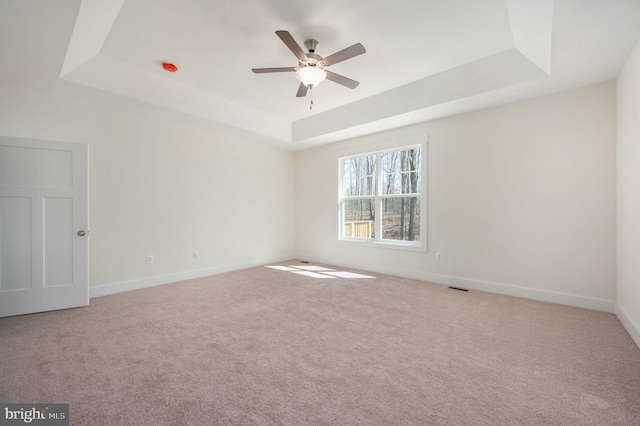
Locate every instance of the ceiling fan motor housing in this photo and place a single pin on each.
(311, 45)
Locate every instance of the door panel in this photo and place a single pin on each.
(29, 167)
(58, 241)
(43, 205)
(15, 243)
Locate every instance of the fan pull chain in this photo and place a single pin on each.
(311, 96)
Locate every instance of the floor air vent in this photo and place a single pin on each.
(458, 288)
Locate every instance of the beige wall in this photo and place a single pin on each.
(521, 200)
(164, 188)
(628, 174)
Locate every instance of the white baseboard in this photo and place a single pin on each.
(629, 324)
(490, 287)
(105, 290)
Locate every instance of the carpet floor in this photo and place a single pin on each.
(297, 347)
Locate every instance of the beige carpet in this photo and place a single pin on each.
(264, 346)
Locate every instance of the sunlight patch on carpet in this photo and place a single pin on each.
(282, 268)
(312, 274)
(318, 271)
(345, 274)
(313, 268)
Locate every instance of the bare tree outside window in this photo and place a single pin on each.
(359, 176)
(359, 182)
(401, 201)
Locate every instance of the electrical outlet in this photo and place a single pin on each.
(150, 258)
(194, 255)
(438, 256)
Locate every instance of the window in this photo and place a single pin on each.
(382, 197)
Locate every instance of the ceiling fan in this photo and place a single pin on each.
(311, 66)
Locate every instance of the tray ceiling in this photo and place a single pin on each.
(424, 59)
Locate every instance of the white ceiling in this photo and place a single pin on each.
(425, 59)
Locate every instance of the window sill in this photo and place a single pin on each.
(399, 245)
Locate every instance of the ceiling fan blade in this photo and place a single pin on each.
(349, 52)
(264, 70)
(302, 91)
(292, 45)
(340, 79)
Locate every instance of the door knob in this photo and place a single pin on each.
(82, 233)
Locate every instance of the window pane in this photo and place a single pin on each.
(401, 172)
(358, 218)
(359, 176)
(401, 218)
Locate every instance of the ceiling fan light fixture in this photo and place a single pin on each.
(310, 75)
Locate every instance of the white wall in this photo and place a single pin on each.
(628, 181)
(164, 188)
(521, 197)
(521, 201)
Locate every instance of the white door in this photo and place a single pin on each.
(43, 226)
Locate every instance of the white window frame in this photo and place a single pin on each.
(377, 150)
